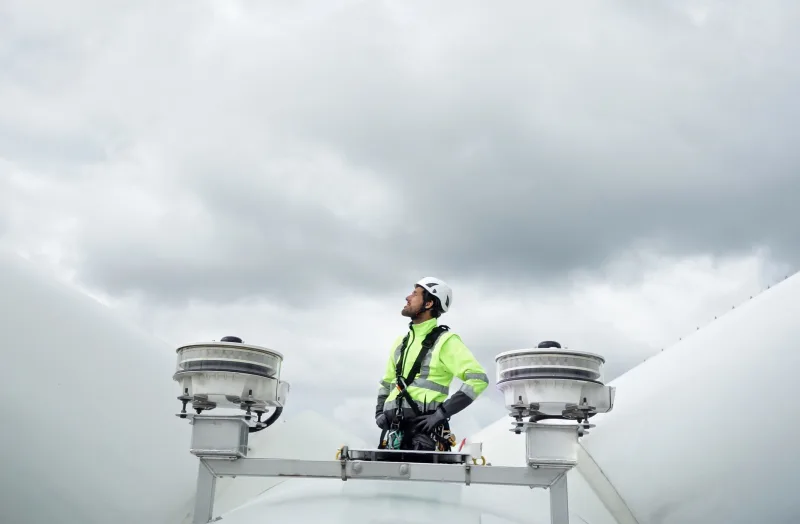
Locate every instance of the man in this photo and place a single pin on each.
(413, 407)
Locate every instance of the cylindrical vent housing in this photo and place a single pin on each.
(230, 374)
(551, 363)
(552, 382)
(229, 357)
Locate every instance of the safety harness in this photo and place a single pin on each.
(402, 383)
(395, 436)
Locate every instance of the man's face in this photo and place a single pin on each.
(414, 303)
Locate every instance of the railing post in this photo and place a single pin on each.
(559, 501)
(204, 495)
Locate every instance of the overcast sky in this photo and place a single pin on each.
(610, 175)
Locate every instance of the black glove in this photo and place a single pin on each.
(382, 421)
(426, 423)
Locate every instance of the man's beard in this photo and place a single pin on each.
(408, 311)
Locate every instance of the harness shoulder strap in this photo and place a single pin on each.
(398, 366)
(427, 344)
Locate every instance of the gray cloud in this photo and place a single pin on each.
(299, 154)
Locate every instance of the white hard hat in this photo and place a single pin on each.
(438, 288)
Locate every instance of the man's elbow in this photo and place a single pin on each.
(481, 379)
(479, 386)
(475, 384)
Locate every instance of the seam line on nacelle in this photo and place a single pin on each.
(603, 488)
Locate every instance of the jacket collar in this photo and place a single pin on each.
(423, 328)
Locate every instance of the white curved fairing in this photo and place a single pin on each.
(704, 432)
(89, 433)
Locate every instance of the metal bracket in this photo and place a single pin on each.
(559, 501)
(546, 476)
(343, 462)
(221, 445)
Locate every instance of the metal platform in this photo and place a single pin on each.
(346, 469)
(368, 465)
(392, 455)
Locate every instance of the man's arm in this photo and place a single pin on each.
(386, 382)
(383, 389)
(462, 364)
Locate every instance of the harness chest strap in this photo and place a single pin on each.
(402, 383)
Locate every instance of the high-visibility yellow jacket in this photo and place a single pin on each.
(448, 358)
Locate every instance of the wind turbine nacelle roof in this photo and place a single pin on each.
(114, 456)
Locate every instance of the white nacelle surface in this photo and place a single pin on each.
(89, 434)
(704, 432)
